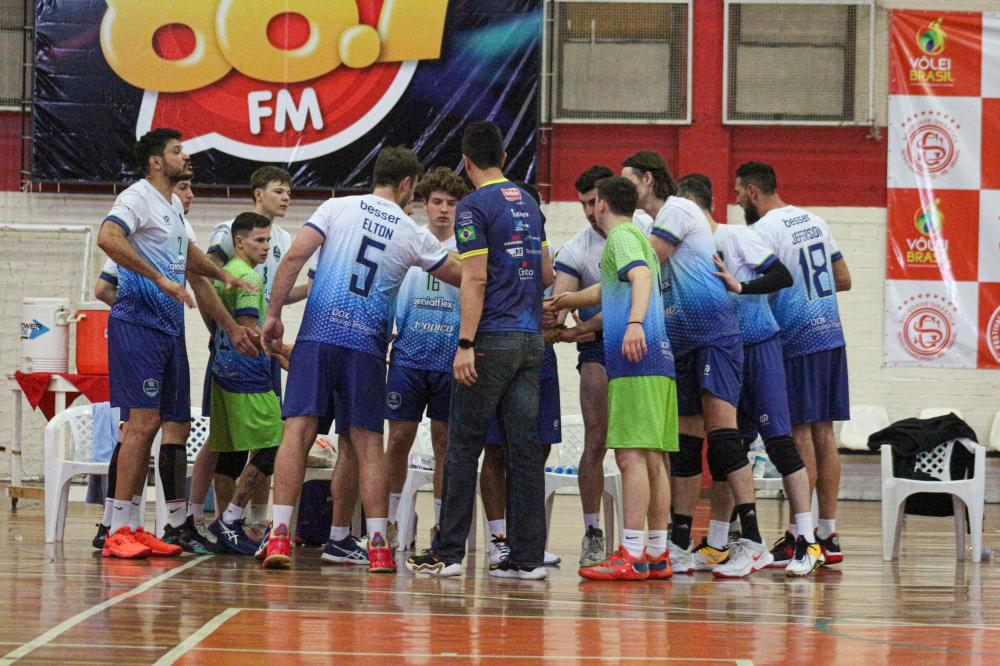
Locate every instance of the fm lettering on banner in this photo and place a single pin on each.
(935, 53)
(932, 235)
(270, 81)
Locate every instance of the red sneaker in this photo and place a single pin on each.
(124, 545)
(157, 547)
(279, 549)
(659, 567)
(380, 555)
(620, 565)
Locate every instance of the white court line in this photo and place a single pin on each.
(66, 625)
(191, 641)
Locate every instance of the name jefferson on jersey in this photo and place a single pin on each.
(369, 245)
(157, 231)
(807, 311)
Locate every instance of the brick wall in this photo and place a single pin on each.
(46, 265)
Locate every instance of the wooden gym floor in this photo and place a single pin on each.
(64, 604)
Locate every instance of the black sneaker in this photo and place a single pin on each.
(187, 537)
(102, 532)
(783, 552)
(429, 563)
(831, 549)
(510, 569)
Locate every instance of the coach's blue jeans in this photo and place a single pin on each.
(507, 365)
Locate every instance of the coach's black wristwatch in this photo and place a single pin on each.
(466, 343)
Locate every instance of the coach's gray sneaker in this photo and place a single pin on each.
(551, 559)
(499, 550)
(510, 569)
(592, 549)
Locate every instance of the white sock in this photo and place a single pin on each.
(826, 527)
(498, 527)
(121, 515)
(197, 511)
(176, 514)
(258, 513)
(592, 520)
(793, 529)
(109, 508)
(657, 543)
(718, 533)
(339, 532)
(393, 505)
(437, 511)
(634, 542)
(282, 514)
(804, 525)
(135, 520)
(377, 525)
(232, 513)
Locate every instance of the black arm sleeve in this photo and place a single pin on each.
(774, 279)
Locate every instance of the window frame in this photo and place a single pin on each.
(550, 88)
(814, 122)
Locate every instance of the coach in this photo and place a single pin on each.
(505, 269)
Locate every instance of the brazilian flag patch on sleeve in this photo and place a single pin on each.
(467, 233)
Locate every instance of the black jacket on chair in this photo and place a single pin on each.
(911, 437)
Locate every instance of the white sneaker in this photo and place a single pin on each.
(592, 548)
(499, 550)
(745, 557)
(508, 569)
(551, 559)
(808, 558)
(681, 560)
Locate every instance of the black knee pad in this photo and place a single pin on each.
(686, 461)
(231, 464)
(781, 451)
(725, 453)
(264, 460)
(173, 470)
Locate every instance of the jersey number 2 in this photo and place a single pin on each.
(815, 271)
(361, 285)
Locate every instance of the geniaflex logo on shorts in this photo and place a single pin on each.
(269, 81)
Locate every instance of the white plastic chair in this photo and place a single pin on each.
(568, 454)
(995, 433)
(66, 458)
(418, 477)
(966, 493)
(865, 420)
(196, 440)
(931, 412)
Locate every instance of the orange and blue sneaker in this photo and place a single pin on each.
(380, 555)
(659, 566)
(123, 544)
(620, 565)
(279, 548)
(157, 547)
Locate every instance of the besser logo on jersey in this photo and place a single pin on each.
(196, 59)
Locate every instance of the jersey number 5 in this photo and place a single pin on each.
(815, 271)
(361, 285)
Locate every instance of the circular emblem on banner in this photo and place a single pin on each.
(993, 335)
(929, 325)
(932, 143)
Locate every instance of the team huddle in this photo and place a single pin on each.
(687, 331)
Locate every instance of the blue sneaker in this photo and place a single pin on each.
(346, 551)
(232, 536)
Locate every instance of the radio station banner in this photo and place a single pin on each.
(318, 86)
(942, 300)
